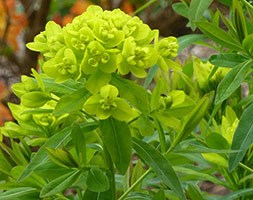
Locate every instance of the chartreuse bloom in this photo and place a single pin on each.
(107, 103)
(48, 42)
(99, 43)
(167, 49)
(77, 40)
(63, 66)
(136, 59)
(97, 57)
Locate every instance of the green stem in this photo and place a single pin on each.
(135, 184)
(144, 6)
(161, 136)
(246, 167)
(248, 4)
(90, 116)
(110, 165)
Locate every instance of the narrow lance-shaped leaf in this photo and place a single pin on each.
(97, 181)
(54, 142)
(238, 193)
(243, 138)
(117, 139)
(79, 141)
(232, 81)
(17, 193)
(71, 102)
(59, 184)
(219, 35)
(187, 40)
(160, 165)
(193, 119)
(181, 8)
(196, 10)
(227, 59)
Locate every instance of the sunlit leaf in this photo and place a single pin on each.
(243, 138)
(117, 138)
(160, 165)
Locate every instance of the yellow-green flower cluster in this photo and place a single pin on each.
(98, 43)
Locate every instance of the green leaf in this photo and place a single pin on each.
(55, 141)
(219, 35)
(227, 59)
(217, 141)
(194, 192)
(247, 44)
(160, 165)
(159, 195)
(17, 193)
(181, 9)
(97, 181)
(239, 193)
(59, 184)
(97, 80)
(239, 20)
(198, 175)
(151, 74)
(107, 195)
(196, 10)
(138, 170)
(232, 81)
(132, 92)
(117, 139)
(71, 102)
(35, 99)
(194, 118)
(243, 138)
(138, 196)
(79, 141)
(160, 88)
(62, 157)
(66, 87)
(187, 40)
(5, 164)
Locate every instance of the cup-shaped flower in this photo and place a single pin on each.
(136, 59)
(27, 85)
(106, 33)
(138, 30)
(107, 103)
(97, 57)
(167, 48)
(63, 66)
(48, 42)
(78, 40)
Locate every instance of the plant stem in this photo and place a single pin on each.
(135, 184)
(161, 136)
(110, 165)
(246, 167)
(248, 4)
(144, 6)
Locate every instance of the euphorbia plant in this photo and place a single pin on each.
(88, 122)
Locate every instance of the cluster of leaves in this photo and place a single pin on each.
(232, 37)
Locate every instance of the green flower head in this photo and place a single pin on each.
(167, 48)
(48, 42)
(107, 103)
(63, 66)
(136, 59)
(97, 57)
